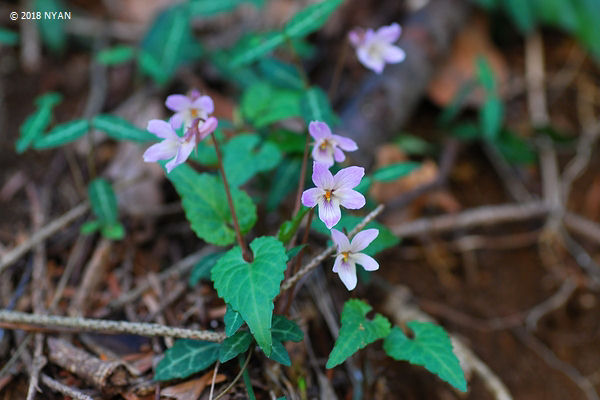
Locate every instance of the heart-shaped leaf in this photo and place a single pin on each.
(283, 329)
(250, 288)
(431, 347)
(234, 345)
(243, 158)
(357, 331)
(185, 358)
(205, 205)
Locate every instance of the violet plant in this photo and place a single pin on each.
(254, 279)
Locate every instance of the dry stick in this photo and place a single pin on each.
(214, 378)
(64, 389)
(35, 322)
(556, 301)
(288, 283)
(44, 233)
(237, 377)
(485, 215)
(179, 268)
(246, 252)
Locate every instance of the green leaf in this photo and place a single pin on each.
(208, 8)
(293, 252)
(452, 110)
(288, 229)
(90, 227)
(262, 104)
(233, 321)
(280, 74)
(284, 329)
(521, 13)
(114, 231)
(115, 55)
(62, 134)
(412, 144)
(431, 347)
(243, 158)
(285, 180)
(252, 47)
(491, 117)
(515, 149)
(52, 30)
(280, 354)
(485, 75)
(242, 76)
(234, 345)
(8, 37)
(121, 129)
(206, 208)
(357, 331)
(35, 125)
(185, 358)
(103, 201)
(168, 44)
(395, 171)
(315, 106)
(289, 142)
(384, 240)
(202, 268)
(250, 288)
(311, 18)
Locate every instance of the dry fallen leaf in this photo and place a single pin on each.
(192, 389)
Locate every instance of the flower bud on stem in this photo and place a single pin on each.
(246, 252)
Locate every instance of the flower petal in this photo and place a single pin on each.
(329, 212)
(161, 151)
(389, 33)
(177, 102)
(204, 103)
(319, 130)
(345, 143)
(310, 197)
(350, 199)
(185, 149)
(321, 176)
(176, 120)
(162, 129)
(338, 154)
(348, 178)
(207, 127)
(393, 54)
(322, 156)
(346, 272)
(367, 262)
(363, 239)
(356, 36)
(340, 240)
(373, 62)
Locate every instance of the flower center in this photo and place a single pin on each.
(194, 112)
(345, 255)
(328, 194)
(324, 144)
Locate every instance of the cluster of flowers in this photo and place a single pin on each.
(374, 49)
(331, 192)
(192, 112)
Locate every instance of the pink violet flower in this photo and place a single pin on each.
(174, 146)
(328, 147)
(375, 48)
(348, 255)
(188, 108)
(331, 192)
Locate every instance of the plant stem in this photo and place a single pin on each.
(291, 294)
(246, 253)
(337, 72)
(237, 377)
(302, 176)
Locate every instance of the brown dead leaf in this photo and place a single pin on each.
(192, 389)
(460, 68)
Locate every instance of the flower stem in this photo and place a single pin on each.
(337, 72)
(246, 253)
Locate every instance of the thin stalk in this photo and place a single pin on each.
(291, 294)
(246, 376)
(237, 377)
(337, 72)
(302, 175)
(246, 253)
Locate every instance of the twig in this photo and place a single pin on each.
(237, 377)
(556, 301)
(553, 361)
(214, 378)
(179, 268)
(64, 389)
(480, 216)
(513, 184)
(44, 233)
(34, 322)
(288, 283)
(582, 226)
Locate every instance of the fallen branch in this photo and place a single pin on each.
(64, 389)
(35, 322)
